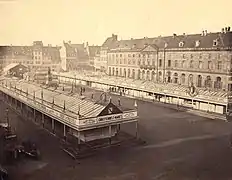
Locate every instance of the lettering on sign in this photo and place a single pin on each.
(129, 115)
(109, 118)
(89, 121)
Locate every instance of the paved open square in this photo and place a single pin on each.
(178, 145)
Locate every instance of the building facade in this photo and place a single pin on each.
(77, 57)
(33, 57)
(203, 60)
(93, 53)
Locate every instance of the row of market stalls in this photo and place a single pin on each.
(192, 97)
(84, 119)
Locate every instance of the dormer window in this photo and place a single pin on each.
(181, 44)
(215, 42)
(197, 43)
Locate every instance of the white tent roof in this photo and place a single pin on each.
(10, 66)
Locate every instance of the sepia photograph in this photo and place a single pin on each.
(115, 90)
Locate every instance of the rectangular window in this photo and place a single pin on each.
(219, 65)
(209, 64)
(200, 65)
(169, 63)
(160, 62)
(176, 63)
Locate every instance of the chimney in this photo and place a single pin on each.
(115, 37)
(223, 30)
(228, 29)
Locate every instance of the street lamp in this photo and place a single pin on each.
(7, 118)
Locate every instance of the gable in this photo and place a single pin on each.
(109, 110)
(149, 48)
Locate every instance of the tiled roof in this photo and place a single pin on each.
(189, 41)
(16, 50)
(93, 50)
(23, 51)
(76, 50)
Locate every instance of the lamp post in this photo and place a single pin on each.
(7, 118)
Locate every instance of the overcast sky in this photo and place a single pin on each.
(52, 21)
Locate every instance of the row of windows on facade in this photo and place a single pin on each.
(39, 57)
(184, 56)
(46, 53)
(219, 64)
(34, 52)
(31, 62)
(152, 76)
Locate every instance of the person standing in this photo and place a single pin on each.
(119, 102)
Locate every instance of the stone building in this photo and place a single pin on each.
(203, 60)
(33, 56)
(77, 57)
(93, 51)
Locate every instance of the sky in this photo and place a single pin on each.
(92, 21)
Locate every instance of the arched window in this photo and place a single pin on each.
(160, 76)
(199, 81)
(148, 75)
(153, 75)
(116, 71)
(143, 75)
(218, 83)
(124, 72)
(120, 71)
(113, 73)
(133, 73)
(139, 74)
(190, 80)
(169, 76)
(128, 73)
(208, 82)
(182, 79)
(175, 78)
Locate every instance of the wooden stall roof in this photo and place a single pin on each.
(73, 105)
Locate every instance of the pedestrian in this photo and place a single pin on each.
(119, 102)
(92, 96)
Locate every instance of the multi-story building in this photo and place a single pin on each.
(33, 56)
(46, 56)
(107, 46)
(204, 60)
(76, 57)
(93, 52)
